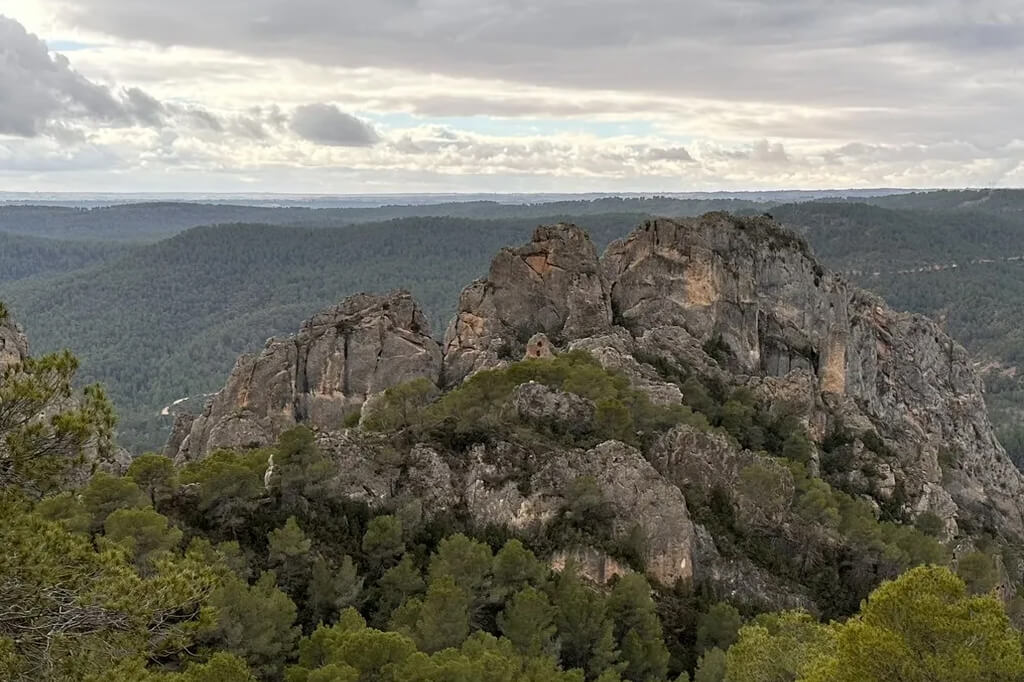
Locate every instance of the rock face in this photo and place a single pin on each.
(555, 410)
(318, 377)
(552, 285)
(13, 344)
(495, 484)
(752, 291)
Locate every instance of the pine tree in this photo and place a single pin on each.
(444, 617)
(585, 636)
(528, 622)
(638, 629)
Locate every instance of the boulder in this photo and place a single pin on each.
(551, 409)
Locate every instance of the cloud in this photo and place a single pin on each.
(769, 152)
(38, 90)
(42, 95)
(144, 108)
(770, 50)
(558, 95)
(669, 154)
(326, 124)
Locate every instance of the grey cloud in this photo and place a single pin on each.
(41, 94)
(145, 108)
(249, 127)
(202, 119)
(769, 152)
(326, 124)
(775, 50)
(669, 154)
(38, 90)
(762, 152)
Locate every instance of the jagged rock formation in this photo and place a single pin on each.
(552, 285)
(754, 289)
(737, 302)
(341, 356)
(506, 484)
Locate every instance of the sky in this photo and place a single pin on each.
(377, 96)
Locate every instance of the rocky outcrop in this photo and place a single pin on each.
(180, 430)
(739, 580)
(592, 564)
(507, 485)
(552, 285)
(13, 344)
(756, 302)
(362, 346)
(556, 411)
(890, 399)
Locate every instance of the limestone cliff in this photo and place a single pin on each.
(552, 285)
(341, 356)
(781, 319)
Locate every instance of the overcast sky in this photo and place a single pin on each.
(509, 95)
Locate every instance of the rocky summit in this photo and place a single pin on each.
(891, 411)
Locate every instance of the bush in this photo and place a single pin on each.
(474, 412)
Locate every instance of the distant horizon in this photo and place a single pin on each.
(355, 200)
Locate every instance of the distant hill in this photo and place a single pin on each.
(165, 320)
(987, 200)
(22, 257)
(150, 222)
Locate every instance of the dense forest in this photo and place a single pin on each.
(22, 257)
(249, 566)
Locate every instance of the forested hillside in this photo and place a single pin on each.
(642, 511)
(163, 321)
(988, 200)
(22, 257)
(154, 221)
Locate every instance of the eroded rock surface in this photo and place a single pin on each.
(362, 346)
(508, 485)
(552, 285)
(554, 410)
(759, 305)
(13, 344)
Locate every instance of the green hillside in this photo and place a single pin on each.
(22, 256)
